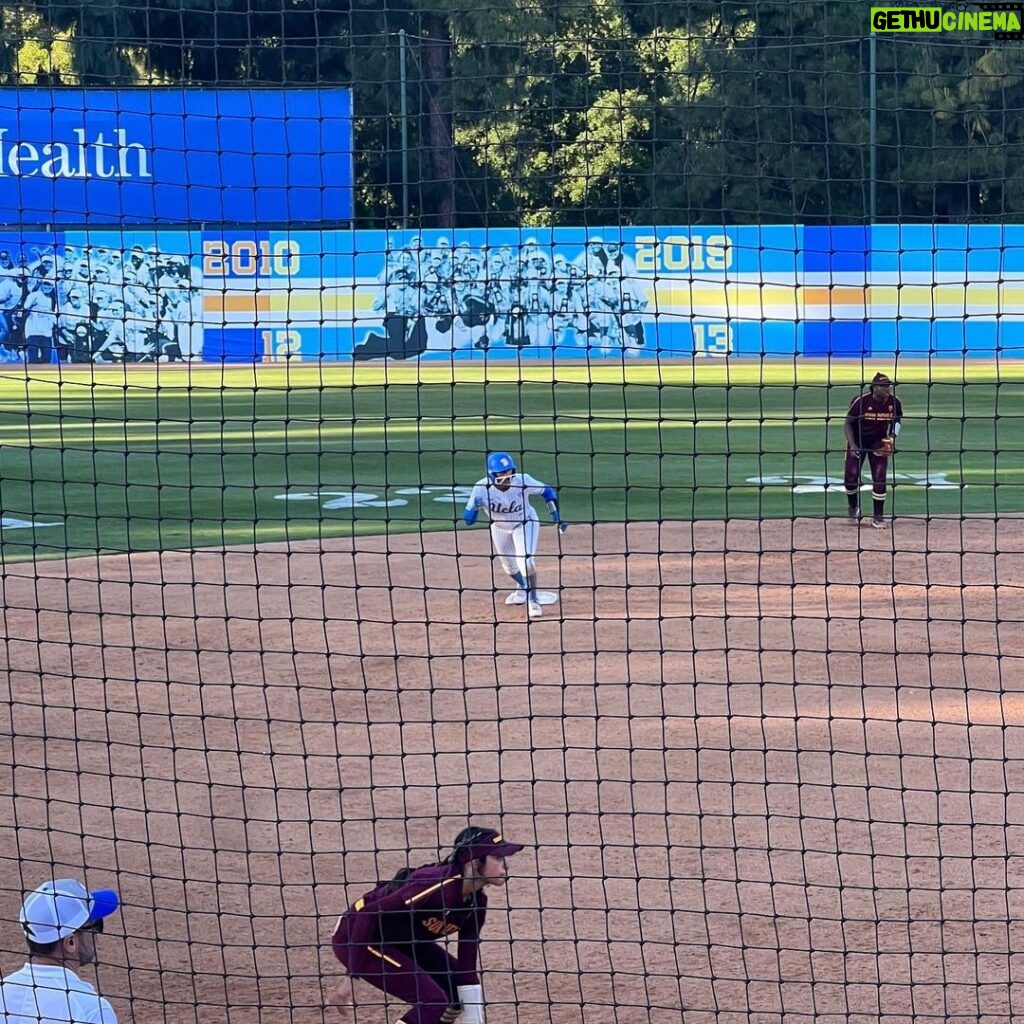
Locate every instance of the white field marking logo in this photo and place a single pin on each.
(805, 483)
(331, 500)
(9, 523)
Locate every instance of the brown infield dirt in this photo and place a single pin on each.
(770, 772)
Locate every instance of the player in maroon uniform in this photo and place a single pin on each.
(872, 426)
(390, 936)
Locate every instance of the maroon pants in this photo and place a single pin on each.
(421, 974)
(879, 471)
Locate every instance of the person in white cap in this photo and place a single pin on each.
(60, 920)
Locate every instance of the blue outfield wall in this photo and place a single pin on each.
(601, 293)
(100, 157)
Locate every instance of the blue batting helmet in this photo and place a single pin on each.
(499, 463)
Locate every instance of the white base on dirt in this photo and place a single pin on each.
(543, 597)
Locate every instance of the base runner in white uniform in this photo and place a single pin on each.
(505, 494)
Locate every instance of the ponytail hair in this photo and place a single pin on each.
(399, 880)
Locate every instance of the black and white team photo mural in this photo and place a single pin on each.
(98, 304)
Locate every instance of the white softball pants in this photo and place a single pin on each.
(516, 546)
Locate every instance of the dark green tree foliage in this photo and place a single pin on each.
(597, 111)
(8, 46)
(951, 124)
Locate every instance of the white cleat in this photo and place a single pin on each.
(535, 610)
(516, 597)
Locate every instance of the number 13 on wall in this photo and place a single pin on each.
(712, 339)
(281, 345)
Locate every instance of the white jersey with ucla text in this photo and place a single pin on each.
(511, 507)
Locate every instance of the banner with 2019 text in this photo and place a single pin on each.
(241, 295)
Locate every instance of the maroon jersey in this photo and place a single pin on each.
(872, 419)
(426, 906)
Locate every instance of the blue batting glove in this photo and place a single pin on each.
(562, 525)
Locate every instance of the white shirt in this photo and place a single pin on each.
(507, 508)
(41, 319)
(10, 292)
(43, 994)
(137, 341)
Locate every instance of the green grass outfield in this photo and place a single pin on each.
(145, 459)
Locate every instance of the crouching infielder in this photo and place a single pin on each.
(505, 494)
(390, 937)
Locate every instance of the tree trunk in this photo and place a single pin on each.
(437, 69)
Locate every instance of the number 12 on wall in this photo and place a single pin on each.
(712, 339)
(280, 346)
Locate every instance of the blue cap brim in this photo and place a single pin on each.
(104, 903)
